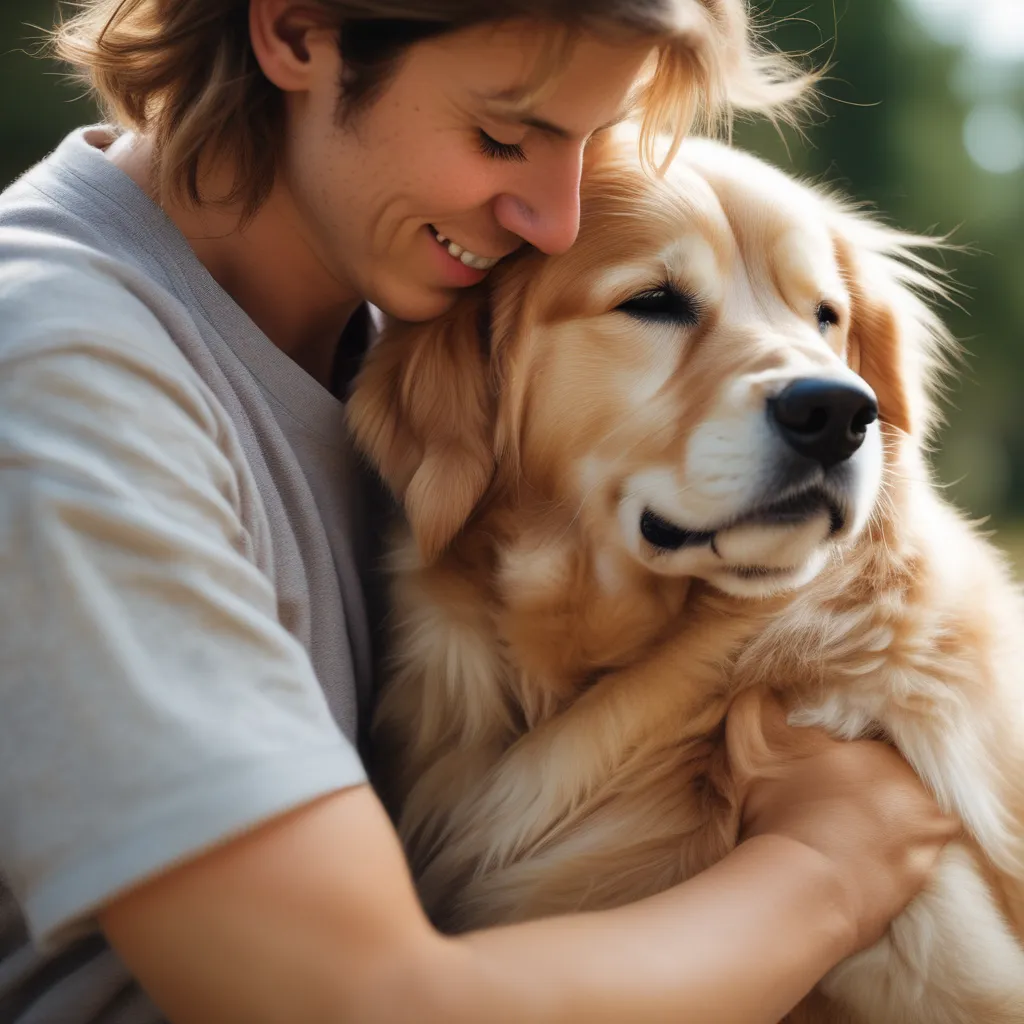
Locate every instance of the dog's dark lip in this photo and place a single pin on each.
(664, 534)
(797, 508)
(791, 510)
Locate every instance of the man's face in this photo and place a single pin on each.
(417, 195)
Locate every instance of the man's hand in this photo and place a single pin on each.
(859, 804)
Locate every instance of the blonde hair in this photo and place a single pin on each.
(184, 72)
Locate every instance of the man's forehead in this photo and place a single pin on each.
(518, 105)
(529, 119)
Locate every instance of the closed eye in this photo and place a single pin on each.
(491, 147)
(663, 305)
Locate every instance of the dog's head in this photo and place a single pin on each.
(711, 381)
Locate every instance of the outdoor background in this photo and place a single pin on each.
(923, 117)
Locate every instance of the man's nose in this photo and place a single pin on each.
(545, 210)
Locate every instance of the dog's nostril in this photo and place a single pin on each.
(865, 417)
(823, 420)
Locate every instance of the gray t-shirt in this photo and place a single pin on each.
(183, 635)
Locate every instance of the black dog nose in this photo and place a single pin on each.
(823, 420)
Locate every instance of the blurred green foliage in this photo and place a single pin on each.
(38, 105)
(891, 132)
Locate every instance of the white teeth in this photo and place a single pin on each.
(470, 259)
(477, 262)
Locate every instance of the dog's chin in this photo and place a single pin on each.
(758, 580)
(769, 550)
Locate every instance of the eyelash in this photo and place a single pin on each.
(500, 150)
(665, 304)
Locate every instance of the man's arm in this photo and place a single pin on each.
(313, 917)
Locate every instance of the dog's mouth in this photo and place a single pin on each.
(792, 510)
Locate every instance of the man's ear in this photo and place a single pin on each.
(896, 342)
(422, 410)
(286, 37)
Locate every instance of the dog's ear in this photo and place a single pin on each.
(897, 344)
(879, 351)
(422, 410)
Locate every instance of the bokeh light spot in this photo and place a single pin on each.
(994, 138)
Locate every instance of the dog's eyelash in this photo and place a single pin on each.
(662, 304)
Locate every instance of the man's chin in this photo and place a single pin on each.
(415, 305)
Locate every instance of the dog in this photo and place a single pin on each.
(681, 465)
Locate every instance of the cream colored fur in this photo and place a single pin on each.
(553, 718)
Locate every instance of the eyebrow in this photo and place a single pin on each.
(546, 126)
(506, 98)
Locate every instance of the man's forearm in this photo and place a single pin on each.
(739, 944)
(313, 919)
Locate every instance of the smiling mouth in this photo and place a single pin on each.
(456, 251)
(798, 508)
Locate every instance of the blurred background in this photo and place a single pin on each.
(922, 117)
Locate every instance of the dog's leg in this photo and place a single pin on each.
(565, 769)
(640, 837)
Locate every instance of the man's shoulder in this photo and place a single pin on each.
(57, 200)
(71, 256)
(90, 376)
(56, 290)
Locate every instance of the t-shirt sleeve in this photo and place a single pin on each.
(151, 703)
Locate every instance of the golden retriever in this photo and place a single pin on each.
(682, 462)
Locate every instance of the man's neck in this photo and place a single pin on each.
(266, 264)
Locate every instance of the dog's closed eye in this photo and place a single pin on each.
(664, 304)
